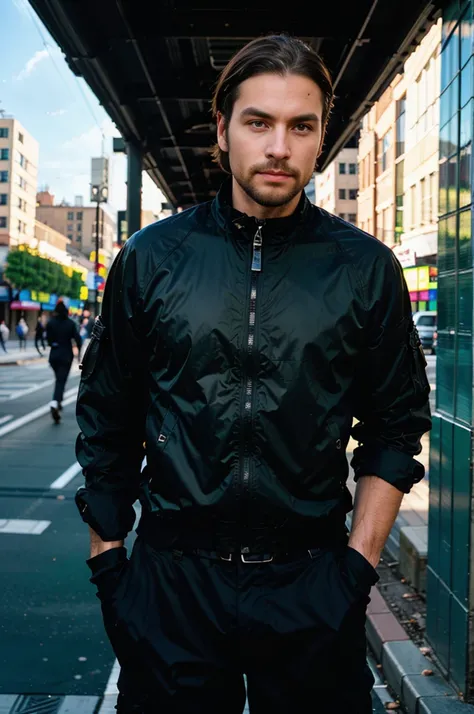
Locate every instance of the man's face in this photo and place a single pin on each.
(273, 140)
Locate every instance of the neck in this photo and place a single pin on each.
(242, 202)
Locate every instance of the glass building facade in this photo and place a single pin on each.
(450, 591)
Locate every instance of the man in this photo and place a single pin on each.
(238, 341)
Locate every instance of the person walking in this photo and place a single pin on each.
(21, 332)
(40, 334)
(4, 335)
(238, 343)
(61, 332)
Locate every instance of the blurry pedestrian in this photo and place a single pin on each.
(4, 335)
(61, 331)
(40, 334)
(21, 332)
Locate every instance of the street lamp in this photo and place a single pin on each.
(99, 194)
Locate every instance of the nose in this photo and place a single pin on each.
(278, 146)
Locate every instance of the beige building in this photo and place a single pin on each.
(78, 224)
(19, 154)
(398, 158)
(337, 186)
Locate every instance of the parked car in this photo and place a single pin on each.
(425, 322)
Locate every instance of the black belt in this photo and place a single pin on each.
(248, 558)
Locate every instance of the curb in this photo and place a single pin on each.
(403, 664)
(15, 362)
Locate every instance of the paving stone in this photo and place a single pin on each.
(443, 705)
(414, 555)
(415, 686)
(6, 702)
(381, 628)
(377, 604)
(400, 659)
(78, 705)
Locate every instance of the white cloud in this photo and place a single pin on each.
(33, 62)
(57, 113)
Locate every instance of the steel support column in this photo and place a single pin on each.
(134, 188)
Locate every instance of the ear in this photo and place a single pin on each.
(222, 132)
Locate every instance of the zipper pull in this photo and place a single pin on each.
(257, 250)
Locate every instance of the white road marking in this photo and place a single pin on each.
(3, 420)
(70, 397)
(22, 526)
(30, 390)
(67, 476)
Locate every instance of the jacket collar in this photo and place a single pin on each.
(276, 229)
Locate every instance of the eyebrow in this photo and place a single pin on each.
(254, 112)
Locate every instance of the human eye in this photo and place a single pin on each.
(257, 124)
(303, 128)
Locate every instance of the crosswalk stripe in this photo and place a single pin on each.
(67, 476)
(23, 526)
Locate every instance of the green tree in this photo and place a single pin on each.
(26, 271)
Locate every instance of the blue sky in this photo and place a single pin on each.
(58, 110)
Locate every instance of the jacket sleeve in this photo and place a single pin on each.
(111, 407)
(392, 397)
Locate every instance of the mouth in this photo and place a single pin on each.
(275, 175)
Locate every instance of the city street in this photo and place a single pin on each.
(51, 636)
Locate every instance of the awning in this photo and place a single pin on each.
(25, 305)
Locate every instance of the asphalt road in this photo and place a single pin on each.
(51, 637)
(52, 642)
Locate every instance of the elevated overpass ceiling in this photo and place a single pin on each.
(153, 63)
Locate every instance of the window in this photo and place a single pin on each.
(70, 228)
(342, 168)
(3, 176)
(399, 177)
(413, 205)
(69, 235)
(20, 227)
(352, 217)
(3, 132)
(383, 147)
(3, 221)
(21, 182)
(20, 137)
(79, 238)
(400, 127)
(79, 216)
(79, 227)
(353, 169)
(3, 199)
(4, 154)
(343, 216)
(426, 321)
(70, 216)
(342, 193)
(353, 194)
(21, 160)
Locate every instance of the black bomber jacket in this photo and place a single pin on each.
(237, 356)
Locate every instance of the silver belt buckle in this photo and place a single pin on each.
(227, 558)
(249, 562)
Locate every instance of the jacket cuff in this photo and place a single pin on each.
(110, 514)
(399, 469)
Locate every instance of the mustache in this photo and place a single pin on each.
(275, 166)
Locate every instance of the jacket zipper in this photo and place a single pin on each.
(256, 268)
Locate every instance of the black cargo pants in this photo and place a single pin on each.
(185, 628)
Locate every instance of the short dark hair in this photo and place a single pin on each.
(272, 54)
(61, 310)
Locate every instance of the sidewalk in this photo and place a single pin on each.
(14, 355)
(407, 667)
